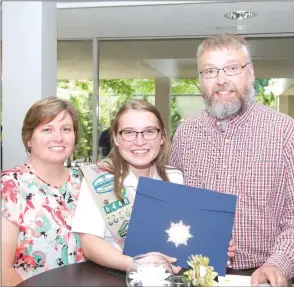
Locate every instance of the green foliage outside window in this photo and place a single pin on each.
(80, 93)
(267, 99)
(116, 92)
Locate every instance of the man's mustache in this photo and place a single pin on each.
(224, 88)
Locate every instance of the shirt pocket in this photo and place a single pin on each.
(260, 181)
(193, 177)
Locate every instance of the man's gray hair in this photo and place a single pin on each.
(220, 41)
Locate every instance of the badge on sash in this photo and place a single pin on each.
(103, 183)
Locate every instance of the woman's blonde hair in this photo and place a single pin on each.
(118, 165)
(44, 111)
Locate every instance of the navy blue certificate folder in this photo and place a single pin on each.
(180, 221)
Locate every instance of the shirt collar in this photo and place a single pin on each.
(132, 181)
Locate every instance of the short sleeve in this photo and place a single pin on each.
(87, 218)
(11, 198)
(175, 176)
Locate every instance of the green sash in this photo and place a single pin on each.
(116, 213)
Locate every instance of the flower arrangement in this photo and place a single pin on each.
(150, 274)
(200, 273)
(155, 270)
(148, 270)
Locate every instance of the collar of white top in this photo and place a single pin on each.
(132, 181)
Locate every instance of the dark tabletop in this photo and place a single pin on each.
(88, 274)
(81, 274)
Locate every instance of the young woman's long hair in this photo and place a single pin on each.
(115, 162)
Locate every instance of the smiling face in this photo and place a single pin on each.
(140, 153)
(226, 96)
(53, 142)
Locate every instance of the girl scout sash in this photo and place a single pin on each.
(116, 213)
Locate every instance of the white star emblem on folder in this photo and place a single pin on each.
(178, 233)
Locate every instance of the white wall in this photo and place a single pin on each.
(190, 105)
(29, 55)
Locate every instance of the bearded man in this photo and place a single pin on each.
(243, 148)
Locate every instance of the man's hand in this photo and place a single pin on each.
(268, 273)
(231, 249)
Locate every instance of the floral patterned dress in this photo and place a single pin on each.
(44, 215)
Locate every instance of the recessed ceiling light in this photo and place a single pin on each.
(239, 15)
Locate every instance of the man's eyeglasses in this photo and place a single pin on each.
(148, 135)
(230, 70)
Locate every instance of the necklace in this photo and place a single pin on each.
(33, 171)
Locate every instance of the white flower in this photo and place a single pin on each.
(150, 275)
(194, 278)
(203, 271)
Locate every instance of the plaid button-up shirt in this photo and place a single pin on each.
(253, 158)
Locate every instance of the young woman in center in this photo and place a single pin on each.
(140, 148)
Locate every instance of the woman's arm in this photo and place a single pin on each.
(10, 233)
(89, 224)
(101, 252)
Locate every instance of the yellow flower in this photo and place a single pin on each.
(200, 274)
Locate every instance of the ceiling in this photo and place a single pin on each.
(270, 36)
(289, 91)
(171, 20)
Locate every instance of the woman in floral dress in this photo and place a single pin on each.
(39, 197)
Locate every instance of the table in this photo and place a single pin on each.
(80, 274)
(86, 274)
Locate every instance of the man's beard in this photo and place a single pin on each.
(224, 109)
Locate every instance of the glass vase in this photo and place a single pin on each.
(150, 269)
